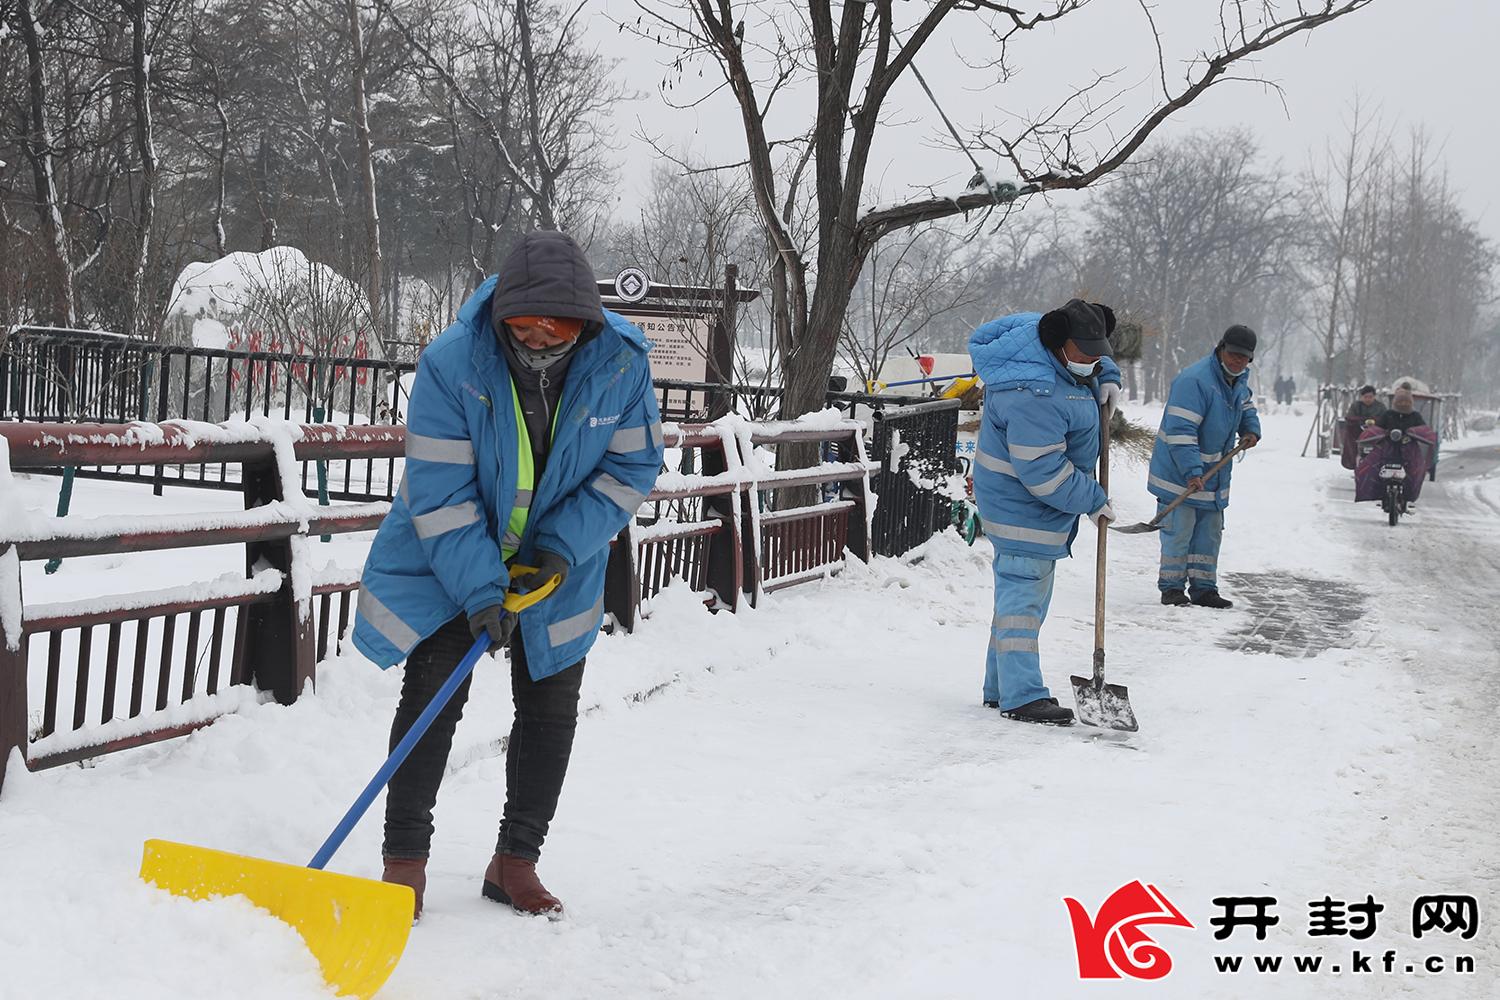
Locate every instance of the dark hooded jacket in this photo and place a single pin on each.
(438, 553)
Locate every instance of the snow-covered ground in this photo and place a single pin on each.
(812, 801)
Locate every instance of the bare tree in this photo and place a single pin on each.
(549, 145)
(693, 226)
(851, 57)
(366, 151)
(1336, 200)
(1179, 237)
(40, 147)
(908, 284)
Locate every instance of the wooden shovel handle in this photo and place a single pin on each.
(1105, 414)
(1206, 477)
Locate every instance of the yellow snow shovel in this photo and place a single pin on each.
(355, 927)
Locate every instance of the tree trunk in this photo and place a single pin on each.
(145, 144)
(366, 167)
(39, 150)
(220, 239)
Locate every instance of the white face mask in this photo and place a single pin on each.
(1082, 369)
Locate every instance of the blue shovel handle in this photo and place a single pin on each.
(418, 729)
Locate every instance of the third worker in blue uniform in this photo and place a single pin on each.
(1209, 405)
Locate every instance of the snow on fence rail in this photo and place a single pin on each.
(69, 375)
(171, 661)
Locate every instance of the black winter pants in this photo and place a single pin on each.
(536, 759)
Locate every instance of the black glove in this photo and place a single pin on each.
(496, 622)
(548, 565)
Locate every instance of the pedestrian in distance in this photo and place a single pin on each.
(1046, 377)
(533, 436)
(1208, 406)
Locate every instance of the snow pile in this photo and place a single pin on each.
(261, 301)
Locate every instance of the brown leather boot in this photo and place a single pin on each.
(512, 881)
(408, 871)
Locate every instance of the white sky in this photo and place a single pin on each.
(1429, 63)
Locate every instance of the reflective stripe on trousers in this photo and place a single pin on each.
(1190, 539)
(1012, 665)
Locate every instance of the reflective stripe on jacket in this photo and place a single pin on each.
(438, 552)
(1038, 443)
(1203, 417)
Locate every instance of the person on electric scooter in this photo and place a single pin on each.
(1365, 409)
(1403, 414)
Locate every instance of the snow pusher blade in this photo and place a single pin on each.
(1155, 523)
(356, 928)
(1095, 702)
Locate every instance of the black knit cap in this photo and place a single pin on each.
(1086, 324)
(1240, 340)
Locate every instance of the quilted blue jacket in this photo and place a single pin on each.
(1038, 443)
(1205, 413)
(437, 554)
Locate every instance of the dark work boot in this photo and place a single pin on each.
(991, 704)
(1174, 597)
(1044, 710)
(1211, 599)
(411, 872)
(512, 881)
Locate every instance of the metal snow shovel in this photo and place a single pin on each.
(355, 927)
(1099, 704)
(1155, 523)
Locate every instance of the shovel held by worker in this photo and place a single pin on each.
(1097, 703)
(355, 927)
(1155, 523)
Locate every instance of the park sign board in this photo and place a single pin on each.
(691, 334)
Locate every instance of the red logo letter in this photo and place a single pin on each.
(1113, 945)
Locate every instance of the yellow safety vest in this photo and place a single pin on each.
(515, 528)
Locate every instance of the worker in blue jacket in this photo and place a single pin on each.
(1209, 405)
(1045, 379)
(532, 437)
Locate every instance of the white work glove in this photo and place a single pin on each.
(1109, 395)
(1102, 516)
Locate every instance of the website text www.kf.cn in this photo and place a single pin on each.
(1358, 963)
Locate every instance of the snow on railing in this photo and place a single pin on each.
(721, 543)
(263, 636)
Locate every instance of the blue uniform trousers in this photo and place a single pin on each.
(1190, 538)
(1013, 666)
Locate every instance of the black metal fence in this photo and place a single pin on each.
(71, 375)
(916, 448)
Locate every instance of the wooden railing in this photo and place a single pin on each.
(123, 672)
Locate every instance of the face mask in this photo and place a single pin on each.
(1232, 375)
(540, 359)
(1082, 369)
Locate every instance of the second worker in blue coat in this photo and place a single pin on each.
(1045, 379)
(1209, 405)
